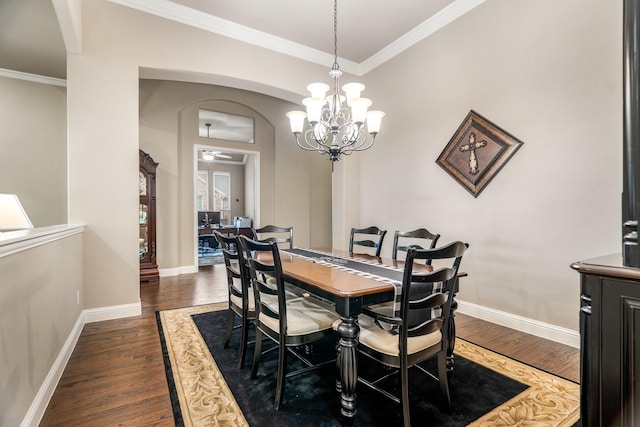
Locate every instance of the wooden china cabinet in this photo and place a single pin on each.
(147, 219)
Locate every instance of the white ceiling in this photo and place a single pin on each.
(364, 26)
(369, 31)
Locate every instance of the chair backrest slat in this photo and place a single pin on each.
(274, 229)
(375, 240)
(413, 236)
(233, 267)
(427, 296)
(259, 271)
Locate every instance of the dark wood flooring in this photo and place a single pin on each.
(115, 376)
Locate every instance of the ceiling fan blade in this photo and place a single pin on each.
(222, 156)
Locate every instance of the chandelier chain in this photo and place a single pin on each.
(335, 36)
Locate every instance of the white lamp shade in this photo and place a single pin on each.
(314, 108)
(352, 90)
(359, 109)
(374, 118)
(318, 90)
(12, 215)
(297, 120)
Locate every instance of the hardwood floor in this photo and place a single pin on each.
(116, 376)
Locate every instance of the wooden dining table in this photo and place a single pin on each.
(349, 292)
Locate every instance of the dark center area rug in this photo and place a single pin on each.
(207, 389)
(208, 256)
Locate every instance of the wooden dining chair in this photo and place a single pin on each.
(374, 240)
(289, 322)
(275, 234)
(241, 297)
(418, 330)
(403, 240)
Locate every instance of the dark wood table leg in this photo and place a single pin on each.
(347, 365)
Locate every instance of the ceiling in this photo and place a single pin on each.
(369, 31)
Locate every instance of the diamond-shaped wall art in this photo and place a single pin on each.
(477, 152)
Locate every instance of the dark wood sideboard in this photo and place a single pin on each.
(609, 342)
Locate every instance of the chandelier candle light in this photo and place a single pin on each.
(336, 130)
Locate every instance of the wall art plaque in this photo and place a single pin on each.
(477, 152)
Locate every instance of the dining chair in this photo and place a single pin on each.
(241, 297)
(374, 240)
(289, 322)
(403, 240)
(418, 330)
(275, 234)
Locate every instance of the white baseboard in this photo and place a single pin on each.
(534, 327)
(176, 271)
(114, 312)
(188, 269)
(39, 405)
(168, 272)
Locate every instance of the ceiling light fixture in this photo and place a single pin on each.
(336, 130)
(212, 155)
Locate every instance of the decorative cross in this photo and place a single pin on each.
(472, 146)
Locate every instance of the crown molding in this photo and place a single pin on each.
(69, 14)
(11, 74)
(419, 33)
(197, 19)
(203, 21)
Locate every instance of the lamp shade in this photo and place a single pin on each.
(314, 108)
(12, 215)
(359, 109)
(374, 118)
(353, 91)
(318, 90)
(297, 120)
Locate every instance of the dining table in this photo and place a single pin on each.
(350, 282)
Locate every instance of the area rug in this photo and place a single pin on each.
(207, 389)
(210, 256)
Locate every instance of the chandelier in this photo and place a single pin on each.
(335, 130)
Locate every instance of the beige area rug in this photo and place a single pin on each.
(206, 400)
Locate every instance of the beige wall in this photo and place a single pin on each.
(103, 114)
(544, 73)
(552, 78)
(33, 163)
(39, 287)
(169, 132)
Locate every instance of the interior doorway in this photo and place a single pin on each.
(240, 198)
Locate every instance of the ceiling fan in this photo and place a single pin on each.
(211, 155)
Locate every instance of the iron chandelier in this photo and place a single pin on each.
(335, 129)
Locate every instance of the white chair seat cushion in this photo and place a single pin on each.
(237, 301)
(385, 342)
(303, 317)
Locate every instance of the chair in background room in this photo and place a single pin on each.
(276, 234)
(376, 236)
(411, 239)
(289, 322)
(241, 298)
(418, 329)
